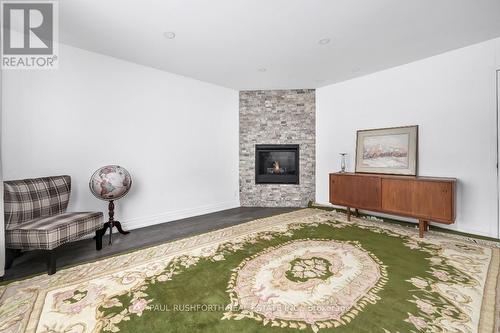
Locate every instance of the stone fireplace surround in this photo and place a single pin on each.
(277, 117)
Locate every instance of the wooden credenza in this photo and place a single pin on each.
(424, 198)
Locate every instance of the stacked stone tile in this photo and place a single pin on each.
(277, 117)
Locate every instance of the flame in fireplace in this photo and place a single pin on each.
(276, 166)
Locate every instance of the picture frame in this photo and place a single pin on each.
(392, 150)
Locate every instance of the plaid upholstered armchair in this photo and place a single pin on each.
(36, 217)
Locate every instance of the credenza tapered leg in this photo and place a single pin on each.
(348, 213)
(423, 226)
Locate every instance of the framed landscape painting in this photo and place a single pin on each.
(388, 150)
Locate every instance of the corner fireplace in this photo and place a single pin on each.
(277, 164)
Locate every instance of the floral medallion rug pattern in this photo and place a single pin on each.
(308, 270)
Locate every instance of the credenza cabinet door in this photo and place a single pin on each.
(355, 191)
(397, 196)
(431, 200)
(434, 200)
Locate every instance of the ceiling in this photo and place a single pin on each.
(274, 44)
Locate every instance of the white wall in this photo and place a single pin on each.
(2, 224)
(177, 136)
(452, 97)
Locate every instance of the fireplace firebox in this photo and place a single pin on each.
(277, 164)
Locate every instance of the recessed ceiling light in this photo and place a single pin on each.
(262, 69)
(324, 41)
(169, 34)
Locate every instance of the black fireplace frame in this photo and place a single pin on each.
(277, 179)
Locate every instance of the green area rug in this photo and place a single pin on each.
(309, 270)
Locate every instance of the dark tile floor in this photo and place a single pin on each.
(34, 262)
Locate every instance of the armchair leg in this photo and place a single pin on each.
(51, 262)
(10, 255)
(98, 239)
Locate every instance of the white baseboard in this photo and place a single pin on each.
(454, 227)
(376, 214)
(141, 222)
